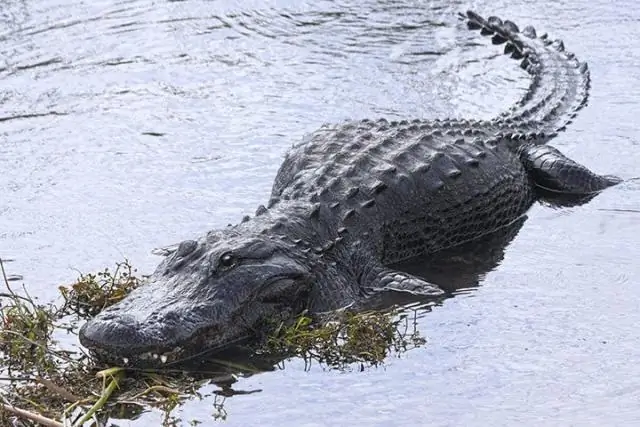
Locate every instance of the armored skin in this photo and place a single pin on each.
(351, 200)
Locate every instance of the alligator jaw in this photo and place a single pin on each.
(160, 354)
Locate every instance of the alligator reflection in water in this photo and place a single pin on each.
(464, 266)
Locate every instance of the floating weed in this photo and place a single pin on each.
(25, 329)
(93, 292)
(46, 385)
(346, 339)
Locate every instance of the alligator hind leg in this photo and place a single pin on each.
(554, 172)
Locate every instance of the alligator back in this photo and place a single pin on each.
(412, 187)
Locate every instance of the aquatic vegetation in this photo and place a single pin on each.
(48, 380)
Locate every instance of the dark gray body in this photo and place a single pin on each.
(408, 188)
(351, 200)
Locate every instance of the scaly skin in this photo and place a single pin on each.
(351, 200)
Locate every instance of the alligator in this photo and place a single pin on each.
(348, 203)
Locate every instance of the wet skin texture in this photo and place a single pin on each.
(351, 200)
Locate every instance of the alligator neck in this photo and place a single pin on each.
(310, 233)
(293, 221)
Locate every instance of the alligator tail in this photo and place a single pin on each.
(559, 85)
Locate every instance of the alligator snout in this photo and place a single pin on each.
(112, 331)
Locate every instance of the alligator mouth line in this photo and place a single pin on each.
(165, 359)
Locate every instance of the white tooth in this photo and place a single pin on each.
(125, 360)
(163, 358)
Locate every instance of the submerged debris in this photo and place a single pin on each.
(43, 383)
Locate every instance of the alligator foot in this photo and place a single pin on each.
(552, 171)
(388, 280)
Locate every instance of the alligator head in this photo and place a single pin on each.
(206, 295)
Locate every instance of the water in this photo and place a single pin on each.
(130, 125)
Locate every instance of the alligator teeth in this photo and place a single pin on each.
(162, 357)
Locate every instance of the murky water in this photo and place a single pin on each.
(134, 124)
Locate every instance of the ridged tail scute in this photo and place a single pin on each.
(559, 82)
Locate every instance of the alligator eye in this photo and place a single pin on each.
(227, 260)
